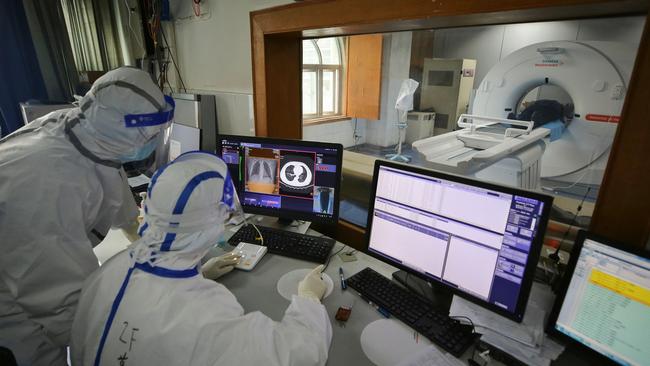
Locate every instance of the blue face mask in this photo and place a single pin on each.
(141, 153)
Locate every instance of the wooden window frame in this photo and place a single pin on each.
(339, 70)
(622, 210)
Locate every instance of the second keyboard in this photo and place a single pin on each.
(446, 332)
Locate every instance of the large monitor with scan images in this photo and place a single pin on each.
(289, 179)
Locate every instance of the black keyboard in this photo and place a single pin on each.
(286, 243)
(450, 334)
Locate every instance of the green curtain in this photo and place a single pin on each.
(93, 32)
(53, 49)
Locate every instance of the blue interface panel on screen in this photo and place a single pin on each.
(293, 179)
(479, 241)
(607, 303)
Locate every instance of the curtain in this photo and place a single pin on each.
(94, 34)
(19, 69)
(53, 51)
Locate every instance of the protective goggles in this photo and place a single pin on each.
(152, 119)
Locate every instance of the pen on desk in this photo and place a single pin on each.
(379, 309)
(344, 285)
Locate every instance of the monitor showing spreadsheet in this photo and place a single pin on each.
(480, 240)
(606, 305)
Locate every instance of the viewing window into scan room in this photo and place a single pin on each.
(530, 105)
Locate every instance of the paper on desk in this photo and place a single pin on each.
(139, 180)
(431, 356)
(387, 342)
(530, 331)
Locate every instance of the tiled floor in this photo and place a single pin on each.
(379, 151)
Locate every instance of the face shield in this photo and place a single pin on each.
(155, 129)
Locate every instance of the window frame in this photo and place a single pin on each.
(339, 71)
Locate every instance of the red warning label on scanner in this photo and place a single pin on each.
(602, 118)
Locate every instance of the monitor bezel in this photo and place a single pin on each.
(535, 248)
(564, 287)
(296, 215)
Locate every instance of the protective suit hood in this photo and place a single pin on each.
(100, 121)
(185, 210)
(151, 305)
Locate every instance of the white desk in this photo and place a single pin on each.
(256, 290)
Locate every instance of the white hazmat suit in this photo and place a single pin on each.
(149, 305)
(61, 189)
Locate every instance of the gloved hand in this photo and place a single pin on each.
(219, 266)
(312, 286)
(131, 231)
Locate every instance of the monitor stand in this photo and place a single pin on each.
(439, 296)
(282, 223)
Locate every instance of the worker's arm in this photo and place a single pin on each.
(301, 338)
(127, 216)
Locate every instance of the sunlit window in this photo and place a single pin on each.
(322, 71)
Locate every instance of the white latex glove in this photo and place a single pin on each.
(131, 231)
(312, 286)
(219, 266)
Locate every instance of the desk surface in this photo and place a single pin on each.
(257, 291)
(251, 287)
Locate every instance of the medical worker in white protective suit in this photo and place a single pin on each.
(154, 304)
(62, 187)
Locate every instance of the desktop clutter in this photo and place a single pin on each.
(463, 255)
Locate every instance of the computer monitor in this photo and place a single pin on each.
(182, 139)
(290, 179)
(604, 304)
(478, 240)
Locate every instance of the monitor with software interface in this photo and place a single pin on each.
(604, 304)
(478, 240)
(290, 179)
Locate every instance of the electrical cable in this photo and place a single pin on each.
(503, 334)
(474, 326)
(555, 256)
(592, 160)
(330, 258)
(196, 4)
(467, 318)
(355, 136)
(162, 31)
(137, 39)
(261, 237)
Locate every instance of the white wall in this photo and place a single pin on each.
(214, 56)
(489, 44)
(396, 63)
(341, 132)
(215, 53)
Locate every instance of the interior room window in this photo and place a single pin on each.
(322, 75)
(503, 73)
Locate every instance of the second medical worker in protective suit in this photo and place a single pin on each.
(150, 305)
(61, 189)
